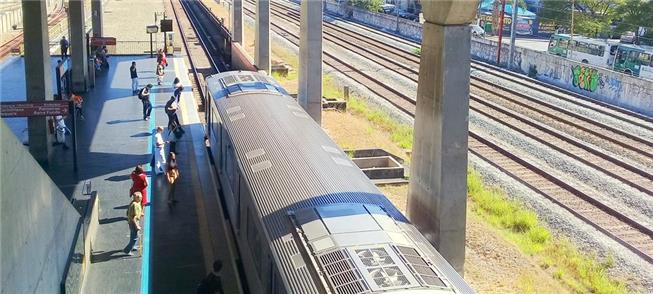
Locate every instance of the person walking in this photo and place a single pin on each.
(61, 130)
(63, 43)
(77, 102)
(212, 283)
(134, 213)
(159, 151)
(159, 73)
(177, 93)
(139, 184)
(172, 175)
(178, 88)
(173, 118)
(134, 74)
(161, 58)
(144, 95)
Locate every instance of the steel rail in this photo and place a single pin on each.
(627, 231)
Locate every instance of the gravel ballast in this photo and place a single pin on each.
(619, 195)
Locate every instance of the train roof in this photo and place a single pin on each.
(312, 197)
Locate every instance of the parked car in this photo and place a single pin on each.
(408, 15)
(477, 31)
(388, 8)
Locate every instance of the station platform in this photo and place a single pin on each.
(180, 242)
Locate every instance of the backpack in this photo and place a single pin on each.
(140, 94)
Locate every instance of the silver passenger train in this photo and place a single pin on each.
(306, 219)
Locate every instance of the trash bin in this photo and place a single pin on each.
(91, 73)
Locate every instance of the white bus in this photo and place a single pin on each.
(586, 50)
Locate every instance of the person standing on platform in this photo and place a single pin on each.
(178, 88)
(134, 213)
(212, 283)
(139, 184)
(77, 102)
(173, 118)
(61, 130)
(159, 73)
(144, 95)
(159, 151)
(172, 175)
(63, 43)
(134, 74)
(161, 58)
(177, 92)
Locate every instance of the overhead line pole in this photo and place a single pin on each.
(513, 29)
(570, 47)
(503, 9)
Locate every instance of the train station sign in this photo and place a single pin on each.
(27, 109)
(103, 41)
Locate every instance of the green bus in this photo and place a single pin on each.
(635, 60)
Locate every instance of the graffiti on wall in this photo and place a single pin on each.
(586, 78)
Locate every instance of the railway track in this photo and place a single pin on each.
(15, 42)
(610, 165)
(631, 117)
(628, 232)
(407, 65)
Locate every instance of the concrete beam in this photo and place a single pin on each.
(310, 59)
(450, 12)
(79, 52)
(237, 25)
(437, 196)
(262, 37)
(38, 75)
(96, 12)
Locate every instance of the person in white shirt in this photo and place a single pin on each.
(159, 151)
(61, 130)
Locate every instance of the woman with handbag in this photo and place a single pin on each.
(172, 175)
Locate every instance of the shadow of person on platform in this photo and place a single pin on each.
(122, 121)
(112, 220)
(141, 135)
(117, 178)
(103, 256)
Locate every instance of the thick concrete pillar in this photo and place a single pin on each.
(262, 41)
(96, 10)
(310, 59)
(438, 183)
(78, 51)
(38, 75)
(237, 22)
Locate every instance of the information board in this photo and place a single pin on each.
(27, 109)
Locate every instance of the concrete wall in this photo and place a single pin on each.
(382, 21)
(38, 222)
(605, 85)
(601, 84)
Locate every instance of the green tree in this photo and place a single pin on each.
(634, 14)
(371, 5)
(591, 17)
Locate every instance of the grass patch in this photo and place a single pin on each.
(580, 272)
(417, 51)
(401, 134)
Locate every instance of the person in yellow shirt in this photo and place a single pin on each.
(134, 213)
